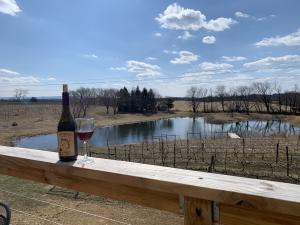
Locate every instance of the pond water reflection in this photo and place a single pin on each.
(179, 126)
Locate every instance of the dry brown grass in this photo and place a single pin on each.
(34, 119)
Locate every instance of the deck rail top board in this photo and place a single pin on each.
(150, 185)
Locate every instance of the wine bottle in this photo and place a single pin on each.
(67, 140)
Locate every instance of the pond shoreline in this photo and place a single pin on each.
(179, 127)
(28, 127)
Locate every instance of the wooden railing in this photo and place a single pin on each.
(204, 198)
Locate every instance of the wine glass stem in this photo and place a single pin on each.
(85, 149)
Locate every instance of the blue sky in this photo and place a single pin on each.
(165, 45)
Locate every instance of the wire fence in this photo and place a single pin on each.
(25, 199)
(274, 157)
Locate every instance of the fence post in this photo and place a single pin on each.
(142, 155)
(212, 164)
(129, 153)
(277, 152)
(243, 147)
(202, 146)
(197, 211)
(287, 161)
(225, 161)
(174, 160)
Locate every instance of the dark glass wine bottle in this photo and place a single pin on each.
(67, 140)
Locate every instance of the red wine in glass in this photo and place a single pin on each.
(85, 129)
(85, 135)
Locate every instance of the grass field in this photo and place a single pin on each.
(33, 119)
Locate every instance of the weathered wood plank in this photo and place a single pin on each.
(60, 175)
(150, 185)
(233, 215)
(197, 211)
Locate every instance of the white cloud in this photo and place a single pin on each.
(51, 79)
(236, 80)
(9, 7)
(201, 76)
(90, 56)
(185, 36)
(245, 15)
(241, 15)
(157, 34)
(233, 58)
(122, 68)
(151, 58)
(20, 80)
(5, 72)
(12, 77)
(185, 57)
(292, 39)
(219, 24)
(215, 66)
(176, 17)
(170, 52)
(273, 61)
(142, 69)
(209, 39)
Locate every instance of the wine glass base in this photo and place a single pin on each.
(85, 161)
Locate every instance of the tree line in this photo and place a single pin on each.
(261, 97)
(119, 100)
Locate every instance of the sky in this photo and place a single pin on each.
(165, 45)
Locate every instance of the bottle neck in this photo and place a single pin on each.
(65, 102)
(65, 99)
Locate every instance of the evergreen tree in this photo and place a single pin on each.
(144, 99)
(170, 104)
(124, 100)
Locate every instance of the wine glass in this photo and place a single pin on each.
(84, 130)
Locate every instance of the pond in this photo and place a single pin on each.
(168, 128)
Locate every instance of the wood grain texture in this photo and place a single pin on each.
(197, 211)
(149, 185)
(233, 215)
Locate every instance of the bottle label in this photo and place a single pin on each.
(66, 143)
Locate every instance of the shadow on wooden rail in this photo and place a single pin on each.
(204, 198)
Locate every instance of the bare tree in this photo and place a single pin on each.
(278, 90)
(293, 99)
(237, 100)
(114, 100)
(202, 93)
(99, 96)
(192, 93)
(221, 93)
(111, 99)
(195, 94)
(81, 99)
(232, 103)
(264, 91)
(107, 99)
(244, 93)
(211, 99)
(20, 94)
